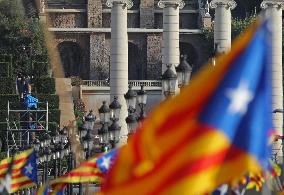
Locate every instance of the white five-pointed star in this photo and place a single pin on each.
(106, 162)
(6, 183)
(239, 98)
(29, 169)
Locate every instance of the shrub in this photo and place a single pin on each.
(79, 108)
(13, 116)
(40, 65)
(14, 100)
(44, 85)
(7, 85)
(54, 116)
(53, 100)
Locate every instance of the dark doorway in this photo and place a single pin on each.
(135, 62)
(189, 50)
(71, 58)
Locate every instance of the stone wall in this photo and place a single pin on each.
(99, 57)
(147, 14)
(68, 20)
(94, 14)
(154, 56)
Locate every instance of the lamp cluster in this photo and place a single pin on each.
(132, 98)
(170, 78)
(110, 128)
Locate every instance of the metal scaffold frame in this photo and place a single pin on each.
(30, 122)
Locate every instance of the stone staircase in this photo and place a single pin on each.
(64, 91)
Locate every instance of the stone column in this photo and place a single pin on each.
(119, 58)
(222, 23)
(273, 10)
(170, 44)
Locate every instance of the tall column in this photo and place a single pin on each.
(119, 58)
(170, 44)
(222, 23)
(273, 9)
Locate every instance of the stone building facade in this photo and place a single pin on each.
(82, 33)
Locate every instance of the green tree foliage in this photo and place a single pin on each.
(238, 26)
(21, 37)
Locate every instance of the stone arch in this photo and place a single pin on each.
(135, 62)
(71, 56)
(189, 50)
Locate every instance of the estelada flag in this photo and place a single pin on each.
(91, 170)
(213, 132)
(23, 171)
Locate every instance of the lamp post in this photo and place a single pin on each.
(104, 113)
(115, 108)
(183, 72)
(130, 98)
(213, 54)
(90, 120)
(114, 129)
(88, 143)
(131, 121)
(142, 100)
(169, 79)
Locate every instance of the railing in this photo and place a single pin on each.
(134, 83)
(95, 83)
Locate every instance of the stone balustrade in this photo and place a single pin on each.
(148, 84)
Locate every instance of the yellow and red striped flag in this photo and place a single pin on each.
(24, 170)
(214, 132)
(88, 171)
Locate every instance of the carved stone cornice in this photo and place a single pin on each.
(230, 3)
(164, 3)
(128, 3)
(277, 3)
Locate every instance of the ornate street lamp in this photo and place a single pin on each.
(45, 140)
(63, 136)
(131, 121)
(115, 108)
(103, 133)
(104, 113)
(114, 131)
(130, 98)
(56, 137)
(169, 79)
(88, 143)
(213, 55)
(36, 144)
(142, 100)
(183, 72)
(90, 120)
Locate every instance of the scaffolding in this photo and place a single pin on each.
(25, 124)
